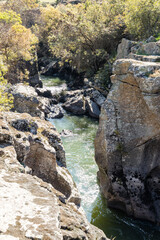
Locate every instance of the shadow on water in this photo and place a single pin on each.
(116, 224)
(80, 162)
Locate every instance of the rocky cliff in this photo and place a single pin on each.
(148, 51)
(39, 199)
(128, 140)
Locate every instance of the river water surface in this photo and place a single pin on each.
(81, 164)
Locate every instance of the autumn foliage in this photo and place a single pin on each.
(17, 43)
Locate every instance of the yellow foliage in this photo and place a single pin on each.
(6, 99)
(79, 34)
(21, 42)
(16, 41)
(21, 5)
(142, 17)
(9, 17)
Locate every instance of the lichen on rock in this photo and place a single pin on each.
(39, 199)
(128, 138)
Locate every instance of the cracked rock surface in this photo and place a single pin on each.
(36, 103)
(128, 140)
(38, 199)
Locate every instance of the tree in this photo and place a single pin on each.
(21, 5)
(82, 34)
(142, 18)
(6, 99)
(16, 42)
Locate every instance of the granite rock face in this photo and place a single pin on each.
(148, 51)
(38, 146)
(84, 102)
(39, 199)
(26, 99)
(124, 48)
(128, 138)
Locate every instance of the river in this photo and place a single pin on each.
(80, 161)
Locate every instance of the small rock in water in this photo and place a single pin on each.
(44, 92)
(66, 133)
(56, 112)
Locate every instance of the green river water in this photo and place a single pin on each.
(81, 164)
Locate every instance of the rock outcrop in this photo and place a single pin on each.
(143, 51)
(26, 100)
(39, 199)
(45, 102)
(128, 138)
(80, 102)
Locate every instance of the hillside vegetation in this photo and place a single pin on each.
(84, 36)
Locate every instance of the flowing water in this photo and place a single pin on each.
(80, 161)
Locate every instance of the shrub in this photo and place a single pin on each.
(83, 34)
(6, 99)
(142, 18)
(17, 43)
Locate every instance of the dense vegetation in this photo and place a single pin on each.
(17, 43)
(84, 36)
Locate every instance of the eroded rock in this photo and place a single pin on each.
(143, 51)
(80, 102)
(31, 208)
(127, 142)
(76, 105)
(26, 100)
(39, 147)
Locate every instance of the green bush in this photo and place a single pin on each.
(142, 18)
(83, 35)
(103, 76)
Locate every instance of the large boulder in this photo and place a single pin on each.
(148, 48)
(128, 138)
(95, 95)
(39, 199)
(86, 101)
(148, 51)
(92, 108)
(76, 105)
(124, 48)
(26, 100)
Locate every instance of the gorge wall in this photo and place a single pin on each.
(128, 139)
(39, 199)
